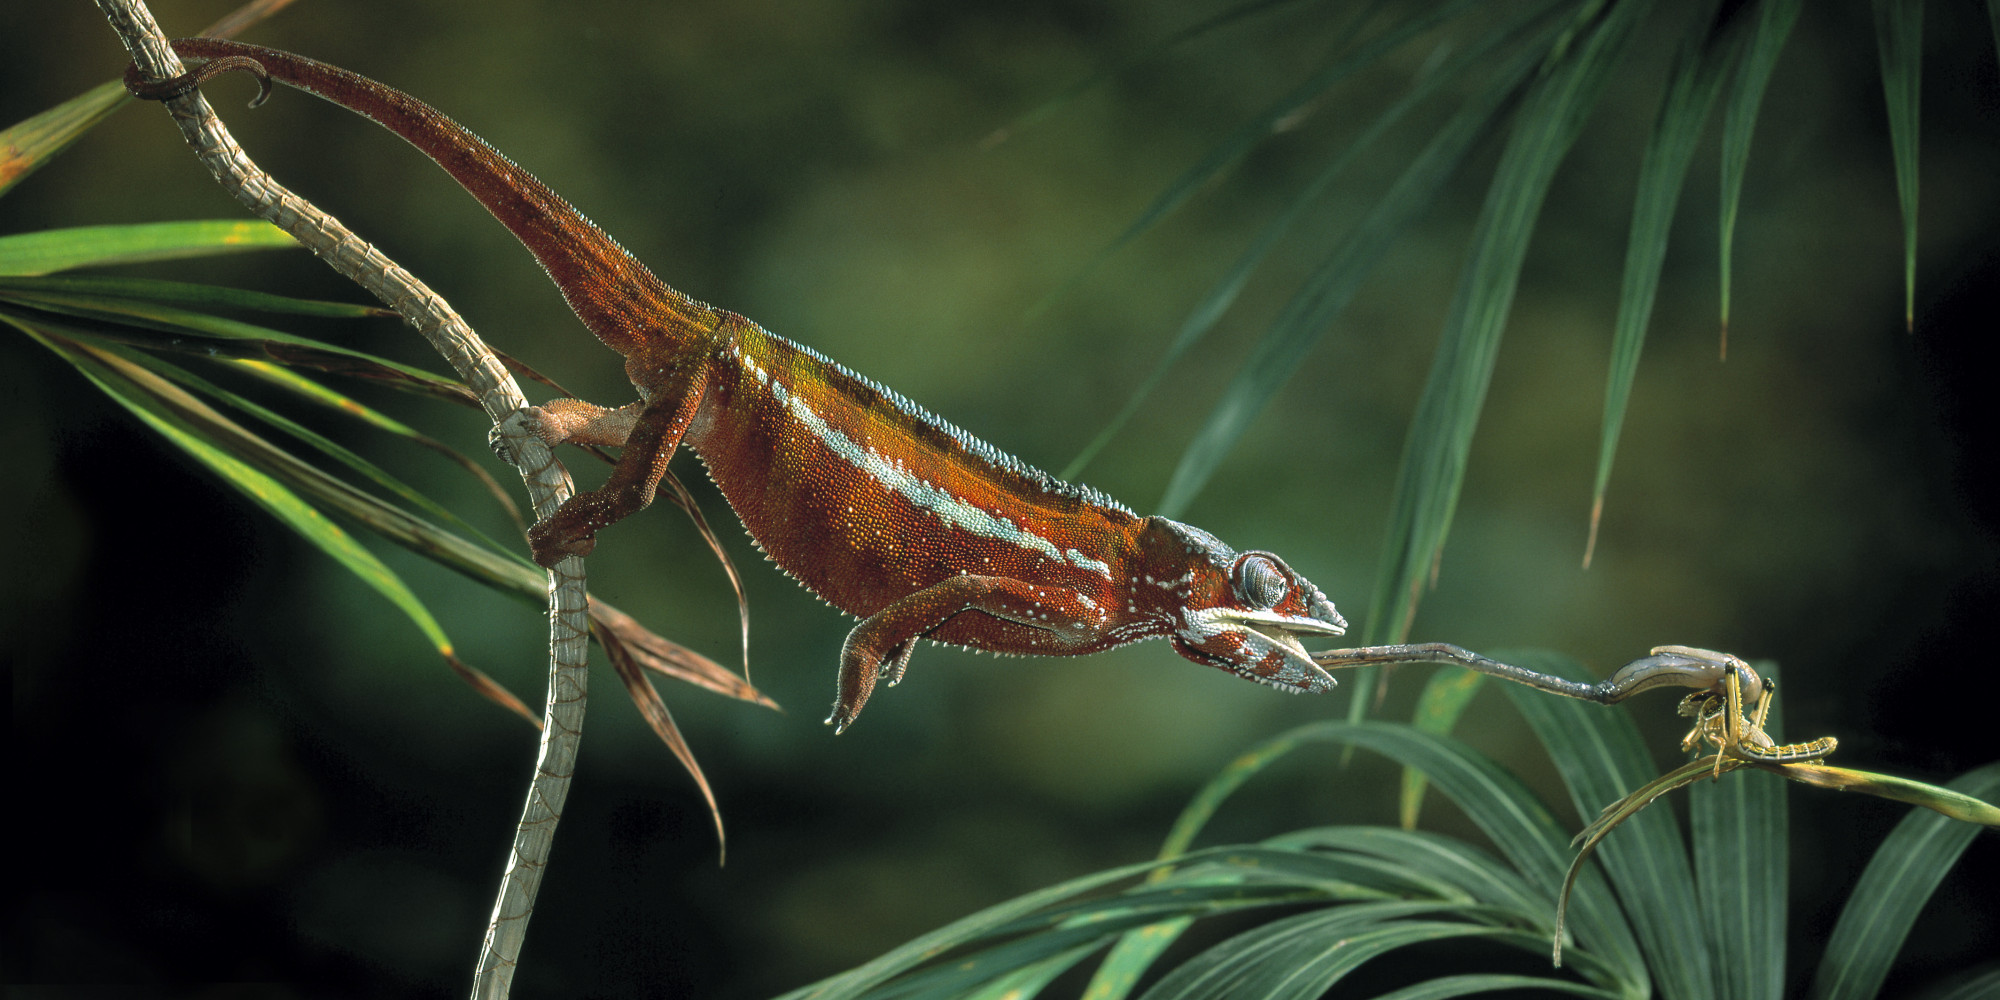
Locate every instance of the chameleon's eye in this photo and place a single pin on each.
(1260, 584)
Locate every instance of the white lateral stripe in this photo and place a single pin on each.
(920, 494)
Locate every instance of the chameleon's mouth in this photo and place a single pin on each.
(1282, 633)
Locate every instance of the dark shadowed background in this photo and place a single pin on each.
(232, 763)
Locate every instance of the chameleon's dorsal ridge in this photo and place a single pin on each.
(875, 504)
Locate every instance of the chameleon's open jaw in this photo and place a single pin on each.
(1281, 632)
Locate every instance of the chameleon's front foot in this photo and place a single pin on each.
(556, 537)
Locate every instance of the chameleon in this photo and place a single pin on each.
(873, 503)
(890, 513)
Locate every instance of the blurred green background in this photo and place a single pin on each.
(235, 764)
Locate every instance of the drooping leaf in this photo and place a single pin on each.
(1700, 67)
(1426, 171)
(1333, 284)
(1440, 436)
(654, 710)
(1618, 812)
(1899, 37)
(306, 389)
(160, 405)
(1891, 892)
(1256, 128)
(1602, 760)
(101, 246)
(1738, 827)
(1746, 95)
(160, 327)
(311, 438)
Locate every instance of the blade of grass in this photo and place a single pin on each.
(1775, 19)
(1892, 890)
(1327, 291)
(163, 328)
(313, 439)
(102, 246)
(186, 294)
(28, 144)
(1699, 69)
(142, 393)
(312, 392)
(1602, 760)
(1739, 829)
(1440, 437)
(1899, 38)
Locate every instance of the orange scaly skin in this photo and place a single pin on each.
(880, 508)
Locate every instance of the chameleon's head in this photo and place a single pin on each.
(1243, 612)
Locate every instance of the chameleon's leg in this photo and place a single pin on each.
(573, 421)
(881, 645)
(654, 434)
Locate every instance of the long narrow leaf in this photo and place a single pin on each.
(1333, 284)
(306, 389)
(1302, 957)
(1440, 437)
(1445, 697)
(857, 981)
(1260, 126)
(1469, 871)
(100, 246)
(1899, 37)
(28, 144)
(1753, 77)
(1445, 987)
(1891, 892)
(311, 438)
(142, 393)
(160, 327)
(1602, 760)
(1699, 70)
(187, 294)
(1207, 312)
(1739, 827)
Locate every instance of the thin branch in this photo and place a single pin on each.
(548, 483)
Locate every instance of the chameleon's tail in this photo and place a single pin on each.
(621, 301)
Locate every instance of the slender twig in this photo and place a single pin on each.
(548, 483)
